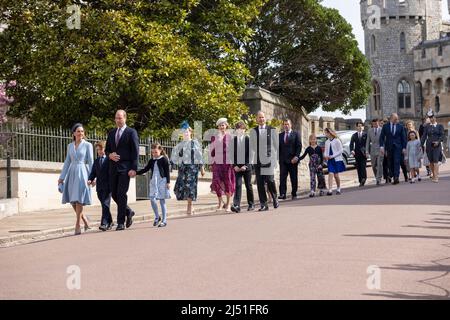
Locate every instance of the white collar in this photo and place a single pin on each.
(122, 128)
(158, 157)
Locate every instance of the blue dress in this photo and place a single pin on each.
(335, 166)
(158, 186)
(75, 173)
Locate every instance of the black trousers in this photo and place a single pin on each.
(403, 166)
(291, 170)
(119, 183)
(105, 199)
(247, 176)
(361, 164)
(261, 181)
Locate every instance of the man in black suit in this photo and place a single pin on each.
(290, 150)
(242, 168)
(358, 150)
(122, 148)
(99, 177)
(264, 148)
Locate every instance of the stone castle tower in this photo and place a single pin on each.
(392, 29)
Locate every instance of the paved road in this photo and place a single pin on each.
(314, 248)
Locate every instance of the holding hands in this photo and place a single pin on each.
(132, 173)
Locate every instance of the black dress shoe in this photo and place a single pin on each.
(264, 208)
(276, 204)
(396, 181)
(282, 197)
(363, 182)
(130, 219)
(103, 227)
(251, 208)
(110, 225)
(120, 226)
(234, 209)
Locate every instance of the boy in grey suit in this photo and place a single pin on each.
(373, 149)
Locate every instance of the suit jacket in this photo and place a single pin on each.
(271, 148)
(241, 149)
(358, 145)
(291, 149)
(127, 148)
(373, 142)
(389, 141)
(101, 173)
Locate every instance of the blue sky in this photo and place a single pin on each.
(349, 9)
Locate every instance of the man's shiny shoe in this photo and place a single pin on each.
(130, 219)
(282, 197)
(251, 208)
(120, 227)
(263, 208)
(276, 204)
(110, 225)
(103, 227)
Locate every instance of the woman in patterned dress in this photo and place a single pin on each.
(188, 156)
(223, 181)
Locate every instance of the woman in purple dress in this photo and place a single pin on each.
(223, 181)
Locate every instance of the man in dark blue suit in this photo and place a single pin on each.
(99, 177)
(393, 143)
(290, 150)
(122, 148)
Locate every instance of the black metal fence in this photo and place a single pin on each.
(27, 142)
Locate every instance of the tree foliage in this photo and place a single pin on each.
(308, 54)
(163, 61)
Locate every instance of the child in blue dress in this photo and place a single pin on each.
(335, 160)
(159, 185)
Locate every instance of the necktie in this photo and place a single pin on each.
(117, 136)
(101, 162)
(286, 137)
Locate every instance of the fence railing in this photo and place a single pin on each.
(32, 143)
(50, 144)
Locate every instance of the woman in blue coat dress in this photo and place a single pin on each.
(74, 175)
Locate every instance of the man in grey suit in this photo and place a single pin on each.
(373, 149)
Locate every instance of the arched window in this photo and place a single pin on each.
(376, 96)
(402, 42)
(404, 94)
(439, 86)
(428, 87)
(373, 44)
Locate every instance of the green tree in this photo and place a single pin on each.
(308, 54)
(163, 61)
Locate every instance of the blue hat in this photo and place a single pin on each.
(185, 125)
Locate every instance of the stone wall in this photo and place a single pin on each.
(277, 107)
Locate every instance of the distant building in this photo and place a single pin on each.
(409, 57)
